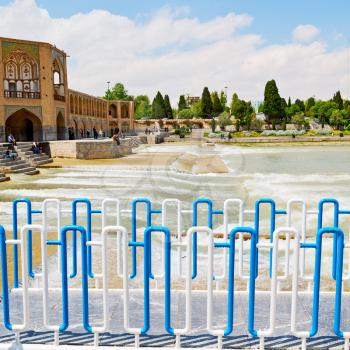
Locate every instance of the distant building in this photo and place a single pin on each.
(261, 116)
(36, 103)
(192, 100)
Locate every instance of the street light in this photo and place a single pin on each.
(108, 82)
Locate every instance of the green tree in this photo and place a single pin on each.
(261, 108)
(217, 106)
(196, 108)
(301, 104)
(142, 107)
(206, 105)
(336, 119)
(182, 103)
(272, 103)
(242, 111)
(168, 109)
(185, 114)
(338, 100)
(323, 110)
(289, 102)
(292, 110)
(284, 114)
(223, 100)
(224, 120)
(118, 92)
(299, 120)
(310, 102)
(158, 107)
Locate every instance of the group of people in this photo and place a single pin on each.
(72, 134)
(10, 154)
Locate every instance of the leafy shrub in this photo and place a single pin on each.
(324, 131)
(282, 133)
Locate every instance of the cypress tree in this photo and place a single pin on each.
(182, 103)
(300, 104)
(289, 102)
(309, 103)
(158, 108)
(207, 105)
(167, 106)
(272, 103)
(338, 100)
(217, 106)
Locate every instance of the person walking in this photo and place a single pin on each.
(95, 133)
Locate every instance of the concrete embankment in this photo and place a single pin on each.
(91, 149)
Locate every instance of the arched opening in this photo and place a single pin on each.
(113, 111)
(76, 130)
(125, 111)
(61, 128)
(71, 103)
(56, 78)
(24, 126)
(125, 127)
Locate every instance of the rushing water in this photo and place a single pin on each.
(282, 173)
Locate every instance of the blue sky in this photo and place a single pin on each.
(178, 47)
(273, 19)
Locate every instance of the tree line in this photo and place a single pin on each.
(277, 110)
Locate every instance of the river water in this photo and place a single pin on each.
(280, 172)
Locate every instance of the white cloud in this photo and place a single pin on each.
(305, 33)
(176, 53)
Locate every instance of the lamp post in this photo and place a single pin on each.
(108, 91)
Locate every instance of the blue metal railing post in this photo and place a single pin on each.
(335, 203)
(147, 272)
(135, 201)
(84, 277)
(4, 280)
(231, 275)
(89, 212)
(337, 232)
(272, 226)
(15, 236)
(195, 223)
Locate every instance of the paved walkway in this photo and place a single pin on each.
(158, 337)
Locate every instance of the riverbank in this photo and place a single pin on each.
(281, 139)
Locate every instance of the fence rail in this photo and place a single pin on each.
(287, 245)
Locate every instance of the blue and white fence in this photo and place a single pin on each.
(183, 242)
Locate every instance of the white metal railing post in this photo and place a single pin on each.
(22, 242)
(45, 221)
(274, 276)
(165, 203)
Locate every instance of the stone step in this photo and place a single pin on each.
(3, 177)
(42, 162)
(28, 170)
(17, 167)
(10, 162)
(32, 172)
(40, 156)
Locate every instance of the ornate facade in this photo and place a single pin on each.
(36, 103)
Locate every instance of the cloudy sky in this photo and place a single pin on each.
(178, 47)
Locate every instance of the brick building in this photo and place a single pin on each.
(36, 103)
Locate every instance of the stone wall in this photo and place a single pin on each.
(87, 149)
